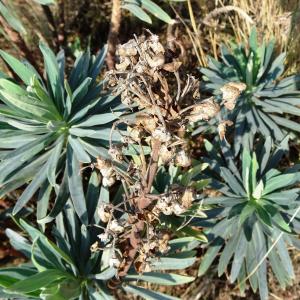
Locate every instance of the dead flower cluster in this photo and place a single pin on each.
(145, 77)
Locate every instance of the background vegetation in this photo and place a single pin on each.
(241, 172)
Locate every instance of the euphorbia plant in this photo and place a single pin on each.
(49, 127)
(255, 217)
(248, 80)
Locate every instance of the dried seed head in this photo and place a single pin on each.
(162, 134)
(140, 67)
(135, 134)
(115, 226)
(178, 209)
(231, 91)
(172, 67)
(104, 237)
(147, 267)
(165, 154)
(108, 181)
(222, 128)
(146, 121)
(104, 213)
(155, 45)
(163, 246)
(116, 153)
(102, 163)
(204, 110)
(127, 98)
(95, 247)
(188, 198)
(155, 61)
(125, 62)
(127, 49)
(182, 159)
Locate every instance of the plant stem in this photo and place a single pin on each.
(112, 40)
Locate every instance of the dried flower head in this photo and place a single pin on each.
(222, 128)
(104, 213)
(108, 181)
(127, 49)
(204, 110)
(183, 159)
(166, 154)
(115, 226)
(104, 237)
(162, 134)
(115, 151)
(231, 91)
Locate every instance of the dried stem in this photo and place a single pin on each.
(112, 41)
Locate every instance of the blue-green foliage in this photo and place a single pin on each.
(269, 102)
(255, 217)
(48, 128)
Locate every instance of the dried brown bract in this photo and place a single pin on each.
(231, 91)
(222, 128)
(205, 110)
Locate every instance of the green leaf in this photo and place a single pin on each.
(227, 253)
(45, 2)
(170, 263)
(53, 161)
(280, 181)
(246, 212)
(75, 185)
(263, 215)
(239, 254)
(161, 278)
(30, 189)
(147, 294)
(258, 191)
(99, 119)
(79, 151)
(191, 173)
(155, 10)
(232, 181)
(37, 281)
(53, 74)
(246, 165)
(12, 19)
(138, 12)
(210, 256)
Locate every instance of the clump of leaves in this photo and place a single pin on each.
(69, 268)
(142, 8)
(48, 128)
(255, 216)
(262, 103)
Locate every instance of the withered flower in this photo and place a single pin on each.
(183, 159)
(222, 128)
(162, 134)
(204, 110)
(104, 213)
(165, 154)
(231, 91)
(127, 49)
(125, 62)
(115, 226)
(115, 151)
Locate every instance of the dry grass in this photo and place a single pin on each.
(211, 24)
